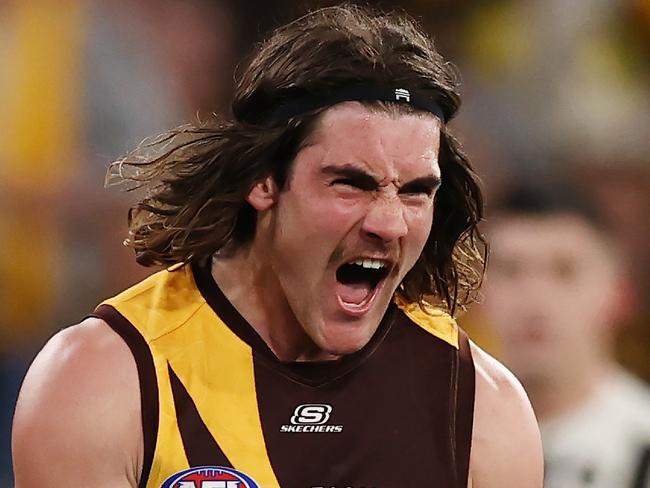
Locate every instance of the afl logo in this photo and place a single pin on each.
(210, 477)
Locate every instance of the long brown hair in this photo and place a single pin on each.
(197, 177)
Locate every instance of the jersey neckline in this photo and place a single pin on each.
(312, 373)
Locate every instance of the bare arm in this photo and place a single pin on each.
(77, 421)
(506, 445)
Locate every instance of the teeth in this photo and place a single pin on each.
(369, 263)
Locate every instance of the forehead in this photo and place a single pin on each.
(353, 133)
(523, 236)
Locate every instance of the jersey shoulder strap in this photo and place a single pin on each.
(435, 321)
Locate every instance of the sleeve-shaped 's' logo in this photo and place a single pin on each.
(311, 414)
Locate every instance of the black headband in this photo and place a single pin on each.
(426, 100)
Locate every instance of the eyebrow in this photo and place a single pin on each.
(427, 183)
(357, 175)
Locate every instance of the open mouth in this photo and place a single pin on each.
(358, 282)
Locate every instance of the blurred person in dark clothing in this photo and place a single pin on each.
(556, 292)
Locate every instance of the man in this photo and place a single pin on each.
(289, 343)
(556, 293)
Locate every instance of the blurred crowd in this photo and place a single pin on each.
(556, 95)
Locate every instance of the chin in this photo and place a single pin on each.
(344, 349)
(346, 338)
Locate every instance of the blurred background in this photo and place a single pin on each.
(554, 90)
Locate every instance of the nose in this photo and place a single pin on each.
(385, 220)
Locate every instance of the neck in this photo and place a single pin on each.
(555, 398)
(251, 286)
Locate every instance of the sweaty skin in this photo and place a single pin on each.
(78, 422)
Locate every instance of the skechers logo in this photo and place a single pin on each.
(311, 417)
(312, 414)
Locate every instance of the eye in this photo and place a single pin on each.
(564, 269)
(421, 188)
(418, 191)
(345, 181)
(505, 268)
(355, 183)
(422, 191)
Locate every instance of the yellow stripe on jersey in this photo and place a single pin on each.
(169, 457)
(433, 320)
(182, 331)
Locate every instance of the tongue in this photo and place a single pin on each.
(353, 292)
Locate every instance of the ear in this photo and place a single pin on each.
(264, 194)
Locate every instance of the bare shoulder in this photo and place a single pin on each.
(78, 412)
(506, 445)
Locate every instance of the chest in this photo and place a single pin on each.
(387, 423)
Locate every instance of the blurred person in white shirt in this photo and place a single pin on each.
(556, 294)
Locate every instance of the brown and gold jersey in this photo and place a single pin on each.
(396, 414)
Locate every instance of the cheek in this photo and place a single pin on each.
(309, 229)
(318, 211)
(498, 303)
(419, 222)
(591, 303)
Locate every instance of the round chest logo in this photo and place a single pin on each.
(210, 477)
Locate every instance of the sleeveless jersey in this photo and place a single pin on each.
(396, 414)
